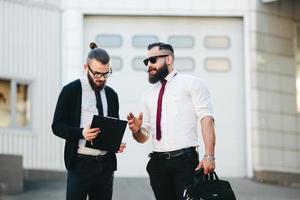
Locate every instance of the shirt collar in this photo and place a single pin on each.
(171, 75)
(85, 81)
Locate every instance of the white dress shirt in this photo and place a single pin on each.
(185, 102)
(88, 110)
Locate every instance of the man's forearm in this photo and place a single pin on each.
(142, 136)
(208, 134)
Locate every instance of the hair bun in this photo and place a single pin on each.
(93, 45)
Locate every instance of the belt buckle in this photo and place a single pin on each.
(169, 156)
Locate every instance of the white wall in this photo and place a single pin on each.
(30, 30)
(30, 36)
(73, 23)
(75, 9)
(276, 136)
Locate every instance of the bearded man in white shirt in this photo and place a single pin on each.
(173, 107)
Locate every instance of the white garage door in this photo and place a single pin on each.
(210, 48)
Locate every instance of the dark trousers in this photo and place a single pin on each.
(168, 177)
(92, 178)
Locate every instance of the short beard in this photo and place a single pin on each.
(160, 74)
(93, 85)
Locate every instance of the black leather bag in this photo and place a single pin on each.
(208, 187)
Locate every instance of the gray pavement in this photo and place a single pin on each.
(139, 189)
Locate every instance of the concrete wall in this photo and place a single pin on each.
(11, 174)
(275, 127)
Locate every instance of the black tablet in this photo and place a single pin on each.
(110, 137)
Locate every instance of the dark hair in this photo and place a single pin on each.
(98, 53)
(161, 46)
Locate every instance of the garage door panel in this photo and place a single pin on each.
(225, 81)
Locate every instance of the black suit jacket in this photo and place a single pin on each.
(66, 120)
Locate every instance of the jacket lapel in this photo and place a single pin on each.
(109, 102)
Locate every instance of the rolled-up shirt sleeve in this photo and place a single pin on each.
(201, 99)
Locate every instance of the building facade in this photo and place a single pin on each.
(30, 80)
(246, 51)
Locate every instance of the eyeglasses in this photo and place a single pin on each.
(98, 75)
(153, 59)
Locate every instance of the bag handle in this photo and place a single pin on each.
(199, 176)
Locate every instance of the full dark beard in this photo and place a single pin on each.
(160, 74)
(94, 86)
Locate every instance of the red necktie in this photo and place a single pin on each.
(158, 113)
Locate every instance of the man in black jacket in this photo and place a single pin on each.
(90, 171)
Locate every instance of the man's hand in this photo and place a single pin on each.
(208, 164)
(122, 147)
(135, 123)
(89, 133)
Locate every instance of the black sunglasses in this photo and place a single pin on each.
(98, 75)
(153, 59)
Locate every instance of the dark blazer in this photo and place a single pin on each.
(66, 120)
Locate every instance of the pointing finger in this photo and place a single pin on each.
(141, 116)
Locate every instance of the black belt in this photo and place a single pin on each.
(172, 154)
(92, 157)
